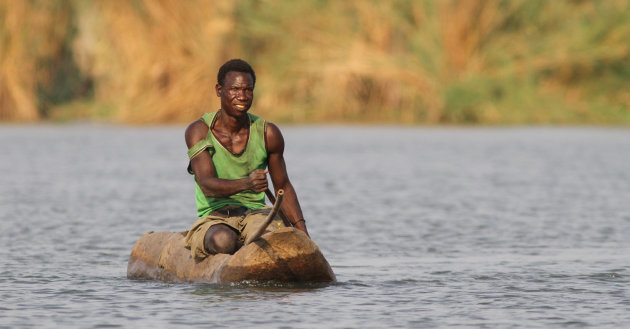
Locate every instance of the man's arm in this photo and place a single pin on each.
(280, 178)
(205, 173)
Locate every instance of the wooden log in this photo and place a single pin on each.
(285, 255)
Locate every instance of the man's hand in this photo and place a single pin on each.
(258, 180)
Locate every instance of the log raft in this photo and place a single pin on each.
(284, 255)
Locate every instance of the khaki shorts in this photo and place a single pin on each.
(244, 225)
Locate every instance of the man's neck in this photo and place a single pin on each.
(230, 123)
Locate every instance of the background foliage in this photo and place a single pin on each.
(392, 61)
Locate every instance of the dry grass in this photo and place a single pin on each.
(31, 35)
(155, 60)
(467, 61)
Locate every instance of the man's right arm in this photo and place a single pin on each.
(205, 173)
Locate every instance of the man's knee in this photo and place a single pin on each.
(221, 239)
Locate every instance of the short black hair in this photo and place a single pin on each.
(237, 65)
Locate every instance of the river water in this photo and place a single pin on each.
(424, 227)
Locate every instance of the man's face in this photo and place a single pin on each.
(237, 93)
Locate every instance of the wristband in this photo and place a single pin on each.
(300, 220)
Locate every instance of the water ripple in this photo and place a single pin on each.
(424, 227)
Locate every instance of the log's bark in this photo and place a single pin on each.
(286, 255)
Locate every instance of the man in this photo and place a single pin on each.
(231, 152)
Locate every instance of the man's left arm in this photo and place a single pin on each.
(280, 177)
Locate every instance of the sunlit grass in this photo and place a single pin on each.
(411, 62)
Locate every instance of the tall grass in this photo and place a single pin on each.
(31, 56)
(445, 61)
(155, 61)
(392, 61)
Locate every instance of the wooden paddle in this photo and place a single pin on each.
(284, 217)
(274, 211)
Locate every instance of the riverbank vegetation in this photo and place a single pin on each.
(391, 61)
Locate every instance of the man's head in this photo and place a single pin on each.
(236, 65)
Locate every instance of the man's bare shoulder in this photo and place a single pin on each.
(275, 140)
(195, 132)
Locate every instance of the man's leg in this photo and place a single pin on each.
(221, 239)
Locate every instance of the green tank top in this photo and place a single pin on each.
(234, 166)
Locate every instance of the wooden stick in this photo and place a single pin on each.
(285, 219)
(272, 214)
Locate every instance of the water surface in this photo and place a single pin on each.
(424, 228)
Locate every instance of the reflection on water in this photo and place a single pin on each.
(424, 227)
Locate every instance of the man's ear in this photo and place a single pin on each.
(218, 89)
